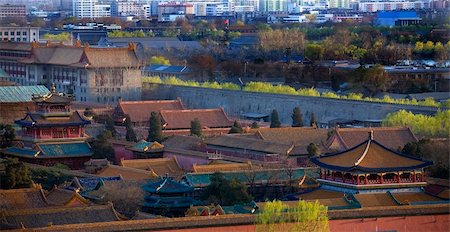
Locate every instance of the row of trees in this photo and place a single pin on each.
(128, 34)
(371, 80)
(422, 125)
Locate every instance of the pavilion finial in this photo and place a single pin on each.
(371, 135)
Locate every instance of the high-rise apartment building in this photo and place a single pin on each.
(339, 4)
(273, 5)
(90, 9)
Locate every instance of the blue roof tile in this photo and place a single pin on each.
(21, 93)
(65, 149)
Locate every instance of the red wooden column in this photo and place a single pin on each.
(381, 180)
(398, 177)
(357, 179)
(414, 176)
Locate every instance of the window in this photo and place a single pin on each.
(6, 33)
(18, 33)
(12, 32)
(24, 33)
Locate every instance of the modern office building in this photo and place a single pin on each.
(19, 34)
(90, 9)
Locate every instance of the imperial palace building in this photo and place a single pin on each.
(102, 75)
(371, 167)
(52, 134)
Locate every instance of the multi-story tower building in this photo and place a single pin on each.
(52, 134)
(273, 5)
(90, 9)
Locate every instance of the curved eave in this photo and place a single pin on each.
(366, 169)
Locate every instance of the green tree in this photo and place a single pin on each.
(297, 117)
(236, 128)
(48, 178)
(155, 128)
(313, 120)
(313, 150)
(416, 149)
(7, 135)
(61, 37)
(225, 192)
(109, 126)
(274, 120)
(102, 147)
(314, 51)
(130, 135)
(196, 127)
(305, 216)
(159, 60)
(89, 112)
(254, 125)
(16, 175)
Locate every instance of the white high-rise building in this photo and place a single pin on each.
(273, 5)
(339, 4)
(90, 9)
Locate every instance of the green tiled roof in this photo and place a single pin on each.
(167, 185)
(141, 145)
(20, 152)
(65, 149)
(259, 176)
(21, 93)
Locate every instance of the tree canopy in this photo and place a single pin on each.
(159, 60)
(297, 117)
(7, 135)
(313, 120)
(305, 216)
(422, 125)
(274, 120)
(226, 192)
(102, 147)
(236, 128)
(16, 175)
(130, 134)
(196, 127)
(155, 128)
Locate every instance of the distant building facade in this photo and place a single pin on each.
(19, 34)
(8, 10)
(102, 75)
(90, 9)
(387, 5)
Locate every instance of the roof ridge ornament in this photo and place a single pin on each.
(371, 134)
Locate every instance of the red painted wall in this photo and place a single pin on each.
(433, 223)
